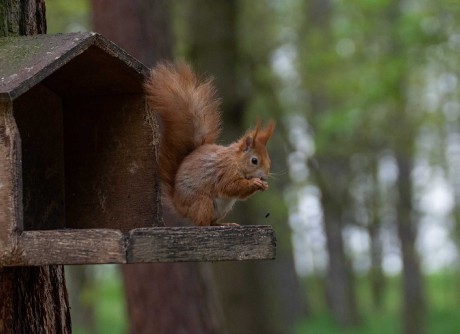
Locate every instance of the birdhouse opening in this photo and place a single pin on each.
(87, 148)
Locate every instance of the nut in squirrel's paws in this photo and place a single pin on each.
(260, 184)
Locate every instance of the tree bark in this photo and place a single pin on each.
(376, 275)
(25, 17)
(413, 308)
(212, 47)
(413, 311)
(171, 298)
(32, 299)
(161, 298)
(340, 294)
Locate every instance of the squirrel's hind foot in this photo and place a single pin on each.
(226, 224)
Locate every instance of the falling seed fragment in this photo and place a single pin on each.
(268, 214)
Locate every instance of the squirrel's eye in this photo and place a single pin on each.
(254, 160)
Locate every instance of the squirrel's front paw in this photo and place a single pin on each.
(259, 184)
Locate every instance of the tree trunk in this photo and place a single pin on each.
(376, 275)
(161, 298)
(332, 176)
(252, 292)
(453, 166)
(413, 301)
(171, 298)
(339, 283)
(141, 27)
(413, 310)
(22, 17)
(214, 51)
(32, 299)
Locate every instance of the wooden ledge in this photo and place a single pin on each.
(143, 245)
(179, 244)
(86, 246)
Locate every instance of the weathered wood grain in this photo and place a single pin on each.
(10, 180)
(178, 244)
(39, 119)
(110, 163)
(90, 246)
(28, 60)
(156, 244)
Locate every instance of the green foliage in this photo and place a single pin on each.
(106, 296)
(385, 321)
(67, 16)
(110, 308)
(360, 60)
(443, 314)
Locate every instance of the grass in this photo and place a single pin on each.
(442, 300)
(442, 294)
(324, 324)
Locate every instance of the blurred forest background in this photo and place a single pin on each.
(365, 196)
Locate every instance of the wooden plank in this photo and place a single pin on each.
(179, 244)
(91, 246)
(10, 180)
(157, 244)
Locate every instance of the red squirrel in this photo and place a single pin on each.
(202, 180)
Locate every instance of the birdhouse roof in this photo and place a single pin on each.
(69, 64)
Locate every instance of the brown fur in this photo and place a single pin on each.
(202, 179)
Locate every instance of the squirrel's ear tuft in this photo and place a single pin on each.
(266, 133)
(255, 132)
(247, 142)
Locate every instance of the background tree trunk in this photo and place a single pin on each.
(340, 294)
(140, 27)
(331, 171)
(413, 309)
(32, 299)
(376, 274)
(257, 297)
(161, 298)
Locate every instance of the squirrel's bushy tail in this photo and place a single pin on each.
(188, 113)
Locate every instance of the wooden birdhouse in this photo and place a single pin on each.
(77, 163)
